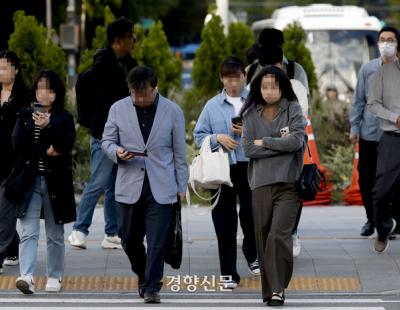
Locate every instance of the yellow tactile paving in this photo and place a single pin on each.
(115, 283)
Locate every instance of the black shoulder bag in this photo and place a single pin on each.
(308, 184)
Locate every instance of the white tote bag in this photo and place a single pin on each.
(210, 170)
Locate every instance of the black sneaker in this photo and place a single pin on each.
(367, 230)
(254, 267)
(11, 261)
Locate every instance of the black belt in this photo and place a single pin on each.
(393, 133)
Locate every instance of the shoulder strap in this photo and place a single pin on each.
(250, 72)
(290, 69)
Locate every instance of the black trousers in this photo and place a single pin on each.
(368, 154)
(9, 239)
(225, 219)
(145, 218)
(387, 176)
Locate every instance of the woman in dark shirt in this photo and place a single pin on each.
(14, 96)
(43, 140)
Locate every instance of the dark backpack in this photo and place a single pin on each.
(253, 68)
(84, 98)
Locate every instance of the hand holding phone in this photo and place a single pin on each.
(237, 120)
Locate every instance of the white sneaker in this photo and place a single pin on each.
(53, 285)
(296, 245)
(25, 284)
(77, 239)
(11, 261)
(231, 284)
(111, 242)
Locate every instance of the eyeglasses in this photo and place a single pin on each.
(390, 40)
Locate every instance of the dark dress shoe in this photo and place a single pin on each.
(141, 291)
(367, 230)
(152, 298)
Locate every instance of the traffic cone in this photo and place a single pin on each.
(324, 197)
(352, 194)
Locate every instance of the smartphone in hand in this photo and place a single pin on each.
(134, 153)
(37, 107)
(237, 120)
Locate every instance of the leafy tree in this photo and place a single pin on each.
(240, 39)
(34, 50)
(153, 51)
(150, 9)
(212, 51)
(295, 49)
(99, 41)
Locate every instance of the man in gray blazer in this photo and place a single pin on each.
(145, 136)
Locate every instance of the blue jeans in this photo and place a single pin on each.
(30, 225)
(102, 179)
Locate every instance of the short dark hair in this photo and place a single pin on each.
(255, 95)
(118, 29)
(271, 35)
(141, 77)
(55, 84)
(270, 54)
(389, 29)
(231, 65)
(13, 59)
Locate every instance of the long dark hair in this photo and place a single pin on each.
(12, 58)
(55, 84)
(281, 78)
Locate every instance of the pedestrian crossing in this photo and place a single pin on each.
(116, 303)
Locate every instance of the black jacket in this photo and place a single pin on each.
(8, 116)
(109, 83)
(61, 134)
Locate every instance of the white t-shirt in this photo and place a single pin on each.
(301, 94)
(236, 102)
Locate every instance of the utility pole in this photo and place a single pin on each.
(48, 18)
(223, 11)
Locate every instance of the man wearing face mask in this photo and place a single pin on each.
(364, 125)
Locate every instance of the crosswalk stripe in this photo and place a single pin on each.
(192, 308)
(189, 301)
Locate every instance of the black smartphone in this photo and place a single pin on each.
(137, 153)
(237, 120)
(37, 107)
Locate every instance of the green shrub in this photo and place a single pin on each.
(240, 39)
(34, 50)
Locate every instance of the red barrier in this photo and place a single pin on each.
(352, 195)
(325, 196)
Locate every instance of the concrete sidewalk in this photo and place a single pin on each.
(334, 258)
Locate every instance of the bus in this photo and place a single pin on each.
(340, 39)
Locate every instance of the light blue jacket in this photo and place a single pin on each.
(165, 165)
(216, 118)
(362, 122)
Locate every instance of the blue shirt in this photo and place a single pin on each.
(216, 118)
(362, 122)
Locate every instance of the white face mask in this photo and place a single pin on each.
(387, 49)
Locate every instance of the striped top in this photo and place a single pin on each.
(41, 167)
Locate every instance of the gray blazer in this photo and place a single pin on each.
(166, 164)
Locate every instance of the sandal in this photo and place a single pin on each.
(276, 300)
